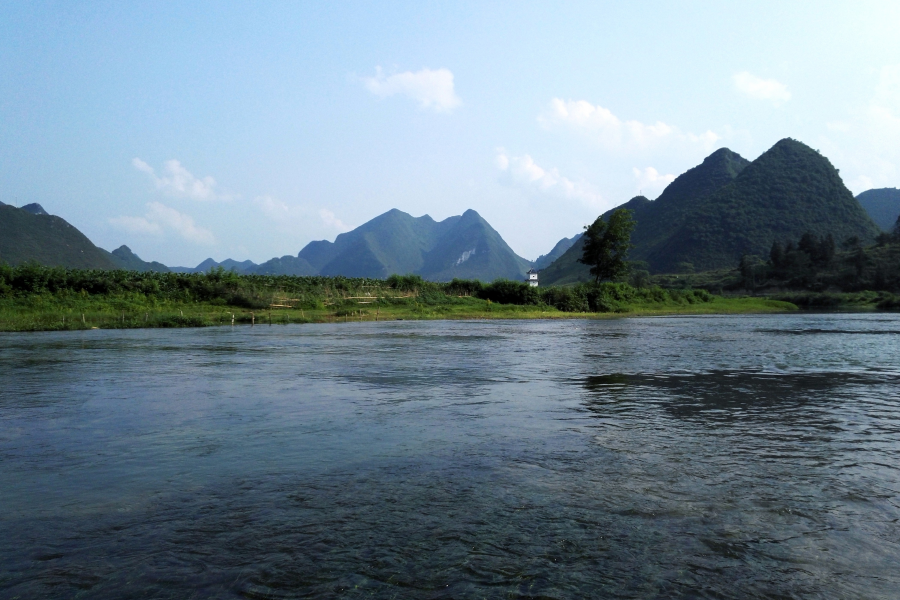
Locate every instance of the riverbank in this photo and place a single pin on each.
(62, 316)
(35, 298)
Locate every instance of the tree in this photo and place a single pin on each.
(776, 254)
(606, 245)
(747, 268)
(827, 248)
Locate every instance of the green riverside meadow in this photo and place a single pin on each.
(37, 298)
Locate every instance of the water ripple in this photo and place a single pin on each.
(690, 457)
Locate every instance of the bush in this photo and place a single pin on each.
(463, 287)
(35, 283)
(405, 283)
(566, 299)
(890, 302)
(510, 292)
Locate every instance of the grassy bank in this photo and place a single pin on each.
(34, 298)
(110, 313)
(846, 301)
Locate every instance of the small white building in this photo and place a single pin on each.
(532, 278)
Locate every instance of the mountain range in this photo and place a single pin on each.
(707, 218)
(464, 247)
(714, 213)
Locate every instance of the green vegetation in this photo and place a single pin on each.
(812, 272)
(33, 297)
(568, 268)
(606, 245)
(815, 264)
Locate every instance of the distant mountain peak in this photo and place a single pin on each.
(206, 265)
(395, 242)
(558, 250)
(791, 144)
(124, 258)
(724, 158)
(35, 209)
(722, 152)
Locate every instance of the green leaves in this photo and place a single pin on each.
(606, 245)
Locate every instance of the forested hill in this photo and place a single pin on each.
(883, 205)
(790, 190)
(724, 208)
(662, 218)
(33, 235)
(658, 220)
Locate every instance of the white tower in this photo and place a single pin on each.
(532, 278)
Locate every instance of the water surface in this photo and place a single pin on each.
(681, 457)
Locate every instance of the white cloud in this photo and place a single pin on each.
(603, 126)
(179, 182)
(281, 212)
(430, 88)
(290, 217)
(523, 171)
(137, 225)
(161, 218)
(759, 88)
(651, 182)
(332, 221)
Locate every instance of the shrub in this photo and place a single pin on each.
(510, 292)
(405, 283)
(463, 287)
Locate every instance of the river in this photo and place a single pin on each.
(672, 457)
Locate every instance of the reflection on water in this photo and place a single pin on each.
(637, 458)
(771, 398)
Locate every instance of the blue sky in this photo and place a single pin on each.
(246, 130)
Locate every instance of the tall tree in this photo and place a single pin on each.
(606, 245)
(827, 248)
(776, 254)
(748, 272)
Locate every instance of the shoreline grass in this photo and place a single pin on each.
(36, 298)
(100, 314)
